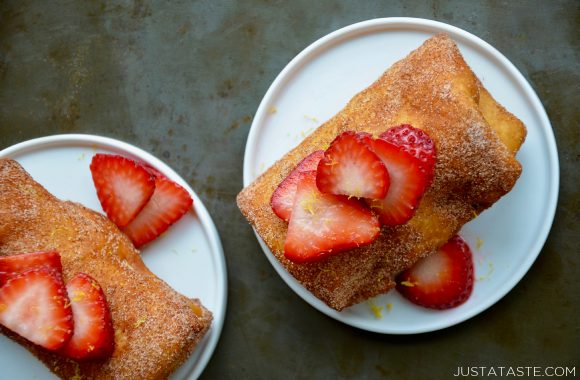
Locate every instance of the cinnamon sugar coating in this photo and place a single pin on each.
(476, 140)
(156, 328)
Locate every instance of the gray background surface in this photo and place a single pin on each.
(183, 79)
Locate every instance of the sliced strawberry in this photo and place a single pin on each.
(123, 186)
(349, 167)
(283, 197)
(93, 336)
(167, 205)
(34, 305)
(14, 264)
(415, 142)
(323, 224)
(408, 183)
(442, 280)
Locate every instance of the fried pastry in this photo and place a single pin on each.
(432, 89)
(156, 328)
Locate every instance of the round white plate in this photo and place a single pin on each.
(505, 239)
(189, 256)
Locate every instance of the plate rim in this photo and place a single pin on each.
(459, 35)
(209, 342)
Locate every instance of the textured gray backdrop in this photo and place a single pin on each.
(183, 79)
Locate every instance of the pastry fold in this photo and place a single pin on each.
(156, 328)
(476, 140)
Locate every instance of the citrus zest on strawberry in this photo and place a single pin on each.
(441, 280)
(93, 336)
(349, 167)
(33, 305)
(282, 199)
(323, 224)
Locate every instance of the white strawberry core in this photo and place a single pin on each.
(353, 180)
(31, 315)
(432, 269)
(129, 190)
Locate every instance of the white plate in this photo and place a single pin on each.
(505, 240)
(189, 256)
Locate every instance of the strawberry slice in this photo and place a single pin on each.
(349, 167)
(442, 280)
(167, 205)
(123, 186)
(324, 224)
(415, 142)
(283, 197)
(408, 183)
(93, 336)
(33, 304)
(14, 264)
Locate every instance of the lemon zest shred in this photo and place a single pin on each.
(376, 309)
(305, 133)
(78, 295)
(309, 203)
(139, 322)
(77, 375)
(409, 284)
(490, 269)
(478, 243)
(332, 162)
(375, 203)
(197, 310)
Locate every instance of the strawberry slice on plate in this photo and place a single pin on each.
(408, 183)
(93, 336)
(283, 197)
(34, 305)
(123, 186)
(14, 264)
(441, 280)
(415, 142)
(349, 167)
(167, 205)
(323, 224)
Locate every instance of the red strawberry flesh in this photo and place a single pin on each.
(349, 167)
(14, 264)
(167, 205)
(408, 183)
(283, 197)
(324, 224)
(442, 280)
(415, 142)
(33, 304)
(123, 186)
(93, 336)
